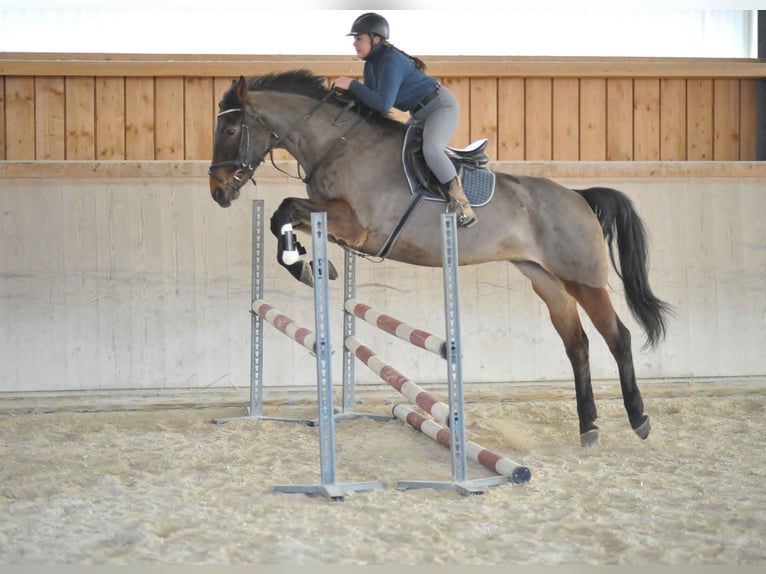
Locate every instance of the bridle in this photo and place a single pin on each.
(246, 169)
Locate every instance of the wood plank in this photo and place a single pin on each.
(511, 99)
(80, 118)
(725, 119)
(539, 119)
(2, 119)
(461, 88)
(20, 118)
(566, 119)
(592, 119)
(50, 137)
(747, 120)
(646, 119)
(220, 86)
(110, 118)
(619, 119)
(672, 119)
(180, 65)
(699, 144)
(169, 118)
(32, 169)
(199, 126)
(483, 112)
(139, 119)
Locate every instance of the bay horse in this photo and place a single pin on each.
(352, 160)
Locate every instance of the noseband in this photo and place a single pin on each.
(245, 169)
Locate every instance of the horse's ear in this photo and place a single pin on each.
(241, 89)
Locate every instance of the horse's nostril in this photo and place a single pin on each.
(218, 195)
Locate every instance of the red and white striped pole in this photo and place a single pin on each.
(397, 328)
(488, 459)
(413, 393)
(285, 324)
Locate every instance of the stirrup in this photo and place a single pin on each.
(463, 220)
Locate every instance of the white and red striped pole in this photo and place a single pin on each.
(488, 459)
(412, 392)
(397, 328)
(285, 324)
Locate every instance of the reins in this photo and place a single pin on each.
(245, 170)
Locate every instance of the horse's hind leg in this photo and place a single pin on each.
(596, 303)
(563, 312)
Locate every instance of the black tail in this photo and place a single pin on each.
(619, 219)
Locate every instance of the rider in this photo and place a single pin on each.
(393, 78)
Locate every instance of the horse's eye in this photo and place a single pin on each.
(230, 131)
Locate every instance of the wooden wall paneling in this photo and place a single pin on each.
(80, 118)
(539, 119)
(699, 94)
(3, 135)
(619, 119)
(220, 86)
(510, 119)
(592, 119)
(646, 119)
(110, 118)
(199, 126)
(566, 119)
(705, 109)
(169, 118)
(673, 119)
(461, 87)
(725, 119)
(747, 119)
(484, 112)
(20, 118)
(50, 123)
(139, 119)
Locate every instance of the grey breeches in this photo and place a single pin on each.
(439, 120)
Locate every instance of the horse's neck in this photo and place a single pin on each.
(305, 138)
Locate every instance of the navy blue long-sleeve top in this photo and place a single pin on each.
(391, 80)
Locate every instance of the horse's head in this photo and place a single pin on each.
(239, 146)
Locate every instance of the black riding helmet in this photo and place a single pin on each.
(370, 23)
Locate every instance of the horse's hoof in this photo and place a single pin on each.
(332, 273)
(307, 274)
(643, 429)
(589, 438)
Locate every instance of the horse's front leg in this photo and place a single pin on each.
(294, 214)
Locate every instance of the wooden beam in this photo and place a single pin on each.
(140, 65)
(148, 170)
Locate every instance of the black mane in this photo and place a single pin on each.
(302, 83)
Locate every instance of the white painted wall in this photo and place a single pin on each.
(145, 284)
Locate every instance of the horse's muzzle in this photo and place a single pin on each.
(221, 197)
(223, 190)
